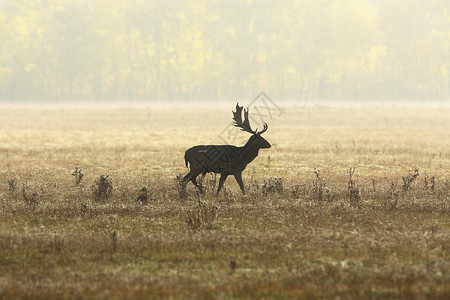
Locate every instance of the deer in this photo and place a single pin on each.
(225, 159)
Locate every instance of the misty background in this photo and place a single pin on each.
(214, 50)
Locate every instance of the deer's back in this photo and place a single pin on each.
(214, 158)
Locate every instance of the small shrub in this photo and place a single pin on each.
(253, 188)
(143, 196)
(56, 244)
(84, 208)
(78, 175)
(408, 179)
(31, 199)
(273, 185)
(202, 216)
(228, 195)
(103, 188)
(114, 242)
(233, 265)
(181, 188)
(429, 184)
(297, 190)
(318, 185)
(211, 182)
(433, 183)
(12, 184)
(353, 194)
(320, 190)
(392, 199)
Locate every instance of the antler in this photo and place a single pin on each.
(245, 126)
(265, 126)
(237, 117)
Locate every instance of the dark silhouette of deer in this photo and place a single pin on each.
(225, 159)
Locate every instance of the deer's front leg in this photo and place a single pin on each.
(238, 178)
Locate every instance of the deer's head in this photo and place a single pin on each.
(256, 139)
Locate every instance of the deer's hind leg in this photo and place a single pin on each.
(222, 179)
(186, 179)
(192, 176)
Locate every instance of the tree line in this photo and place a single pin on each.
(222, 49)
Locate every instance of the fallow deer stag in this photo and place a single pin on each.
(225, 159)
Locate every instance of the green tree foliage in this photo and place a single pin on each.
(199, 49)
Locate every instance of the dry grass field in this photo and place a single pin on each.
(305, 229)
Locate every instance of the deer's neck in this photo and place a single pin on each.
(250, 151)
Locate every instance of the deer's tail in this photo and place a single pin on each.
(186, 160)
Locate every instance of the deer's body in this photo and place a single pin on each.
(225, 159)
